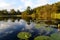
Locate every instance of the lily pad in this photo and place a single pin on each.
(24, 35)
(55, 36)
(42, 38)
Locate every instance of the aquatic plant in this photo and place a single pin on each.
(24, 35)
(42, 38)
(55, 36)
(37, 26)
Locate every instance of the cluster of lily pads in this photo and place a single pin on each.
(27, 35)
(53, 36)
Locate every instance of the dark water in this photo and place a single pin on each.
(9, 29)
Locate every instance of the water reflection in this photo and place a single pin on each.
(9, 29)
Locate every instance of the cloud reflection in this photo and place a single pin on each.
(9, 26)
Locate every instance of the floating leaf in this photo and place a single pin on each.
(24, 35)
(42, 38)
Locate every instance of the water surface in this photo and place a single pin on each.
(9, 29)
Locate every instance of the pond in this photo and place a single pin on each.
(9, 30)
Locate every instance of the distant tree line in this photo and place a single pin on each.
(42, 11)
(38, 12)
(11, 12)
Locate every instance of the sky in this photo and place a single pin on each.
(23, 4)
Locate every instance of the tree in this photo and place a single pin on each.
(58, 7)
(5, 12)
(1, 13)
(12, 11)
(54, 8)
(33, 15)
(48, 11)
(24, 15)
(28, 10)
(18, 12)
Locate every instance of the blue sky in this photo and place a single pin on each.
(22, 4)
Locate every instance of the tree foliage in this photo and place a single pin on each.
(42, 12)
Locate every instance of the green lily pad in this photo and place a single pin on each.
(48, 29)
(24, 35)
(55, 36)
(40, 25)
(42, 38)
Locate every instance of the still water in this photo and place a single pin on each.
(9, 29)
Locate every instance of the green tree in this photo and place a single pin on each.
(18, 12)
(5, 12)
(12, 11)
(1, 12)
(58, 7)
(28, 10)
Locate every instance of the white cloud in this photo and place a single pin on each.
(20, 8)
(6, 5)
(39, 3)
(34, 3)
(27, 2)
(22, 4)
(3, 4)
(4, 26)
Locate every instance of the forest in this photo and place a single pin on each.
(42, 12)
